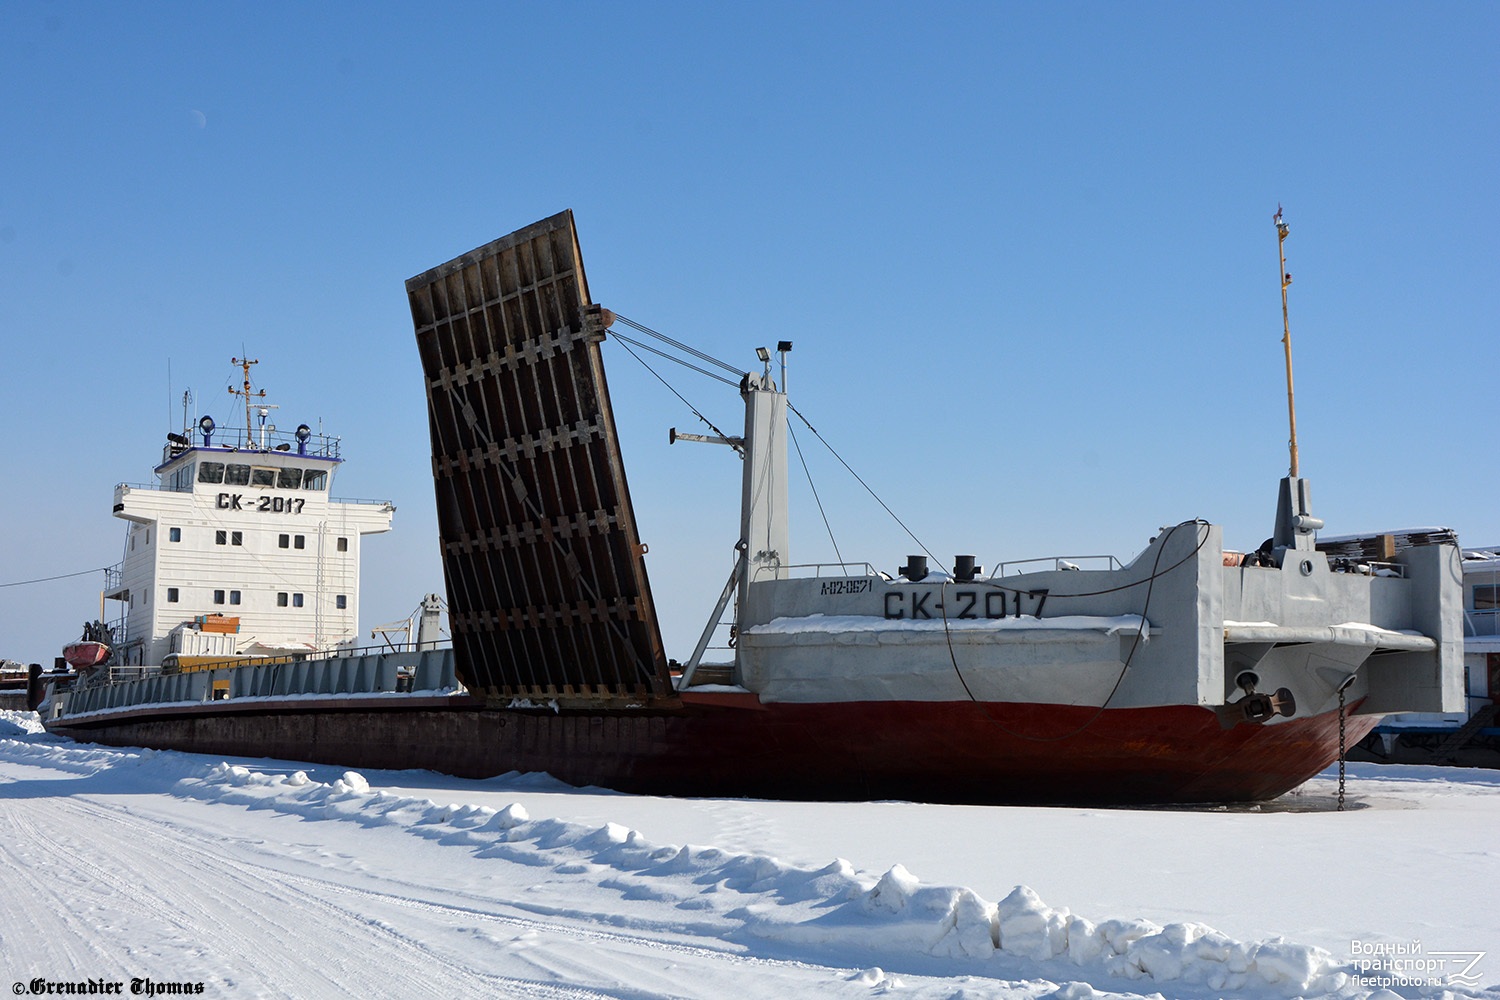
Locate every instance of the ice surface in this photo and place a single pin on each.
(519, 886)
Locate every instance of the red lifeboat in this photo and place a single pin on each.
(85, 654)
(91, 650)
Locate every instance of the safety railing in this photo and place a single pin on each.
(1059, 563)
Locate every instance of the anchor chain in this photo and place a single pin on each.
(1341, 750)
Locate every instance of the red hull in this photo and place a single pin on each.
(732, 746)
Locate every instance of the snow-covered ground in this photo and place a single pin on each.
(272, 878)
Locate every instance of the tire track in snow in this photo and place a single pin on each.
(569, 927)
(533, 919)
(205, 897)
(45, 898)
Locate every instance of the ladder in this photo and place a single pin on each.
(1461, 737)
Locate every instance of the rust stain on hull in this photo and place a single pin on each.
(943, 752)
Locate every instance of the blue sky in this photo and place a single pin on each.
(1025, 254)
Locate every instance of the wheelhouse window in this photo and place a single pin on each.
(210, 472)
(1486, 597)
(315, 479)
(288, 479)
(261, 476)
(236, 475)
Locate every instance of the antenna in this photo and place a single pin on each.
(245, 364)
(187, 401)
(1282, 229)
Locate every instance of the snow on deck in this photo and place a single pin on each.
(1110, 625)
(1345, 633)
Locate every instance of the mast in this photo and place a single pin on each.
(245, 364)
(1295, 524)
(1282, 229)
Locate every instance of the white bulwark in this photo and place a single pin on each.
(238, 550)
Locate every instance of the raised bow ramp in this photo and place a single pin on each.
(546, 578)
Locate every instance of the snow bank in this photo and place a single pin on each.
(834, 912)
(880, 928)
(20, 723)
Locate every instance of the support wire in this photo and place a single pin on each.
(866, 485)
(816, 499)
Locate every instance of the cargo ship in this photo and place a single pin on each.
(1188, 674)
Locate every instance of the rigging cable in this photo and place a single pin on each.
(1108, 590)
(511, 469)
(861, 482)
(1140, 631)
(816, 499)
(663, 354)
(680, 346)
(739, 373)
(738, 448)
(49, 579)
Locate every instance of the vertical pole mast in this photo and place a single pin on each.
(1286, 337)
(245, 363)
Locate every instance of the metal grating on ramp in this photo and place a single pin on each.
(547, 588)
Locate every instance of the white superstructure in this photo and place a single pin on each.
(1482, 626)
(242, 526)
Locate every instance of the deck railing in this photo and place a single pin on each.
(385, 673)
(1482, 622)
(1060, 563)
